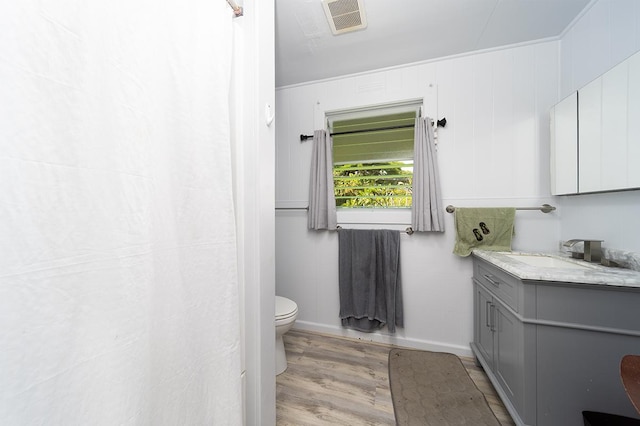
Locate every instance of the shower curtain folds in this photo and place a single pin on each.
(119, 300)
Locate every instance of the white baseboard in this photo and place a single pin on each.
(388, 339)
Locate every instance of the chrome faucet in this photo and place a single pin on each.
(592, 249)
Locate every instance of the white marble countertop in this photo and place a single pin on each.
(593, 273)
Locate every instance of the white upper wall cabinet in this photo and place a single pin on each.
(607, 143)
(564, 145)
(633, 123)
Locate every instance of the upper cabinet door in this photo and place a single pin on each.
(633, 123)
(564, 146)
(590, 137)
(614, 128)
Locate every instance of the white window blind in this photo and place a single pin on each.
(373, 160)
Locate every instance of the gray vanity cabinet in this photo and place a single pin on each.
(582, 334)
(553, 349)
(499, 337)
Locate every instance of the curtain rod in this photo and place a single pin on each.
(237, 10)
(545, 208)
(440, 123)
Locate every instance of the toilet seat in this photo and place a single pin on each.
(285, 308)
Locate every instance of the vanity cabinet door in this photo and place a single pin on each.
(484, 316)
(508, 357)
(499, 339)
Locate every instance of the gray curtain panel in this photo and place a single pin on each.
(322, 202)
(426, 211)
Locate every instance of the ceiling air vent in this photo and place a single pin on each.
(344, 15)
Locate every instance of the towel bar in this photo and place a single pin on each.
(545, 208)
(408, 231)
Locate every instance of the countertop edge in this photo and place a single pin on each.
(592, 273)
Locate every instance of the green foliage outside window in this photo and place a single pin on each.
(385, 184)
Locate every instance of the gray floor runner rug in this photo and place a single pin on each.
(434, 389)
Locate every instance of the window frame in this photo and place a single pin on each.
(363, 218)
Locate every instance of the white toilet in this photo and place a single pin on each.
(286, 314)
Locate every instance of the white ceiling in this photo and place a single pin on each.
(406, 31)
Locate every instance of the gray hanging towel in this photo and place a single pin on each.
(369, 279)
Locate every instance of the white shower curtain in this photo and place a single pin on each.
(118, 288)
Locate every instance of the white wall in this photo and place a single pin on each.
(606, 34)
(493, 152)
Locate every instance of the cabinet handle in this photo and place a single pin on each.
(493, 317)
(487, 320)
(491, 280)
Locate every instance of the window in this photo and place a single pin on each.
(373, 160)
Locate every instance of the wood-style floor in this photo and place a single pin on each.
(339, 381)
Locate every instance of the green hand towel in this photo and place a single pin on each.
(486, 228)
